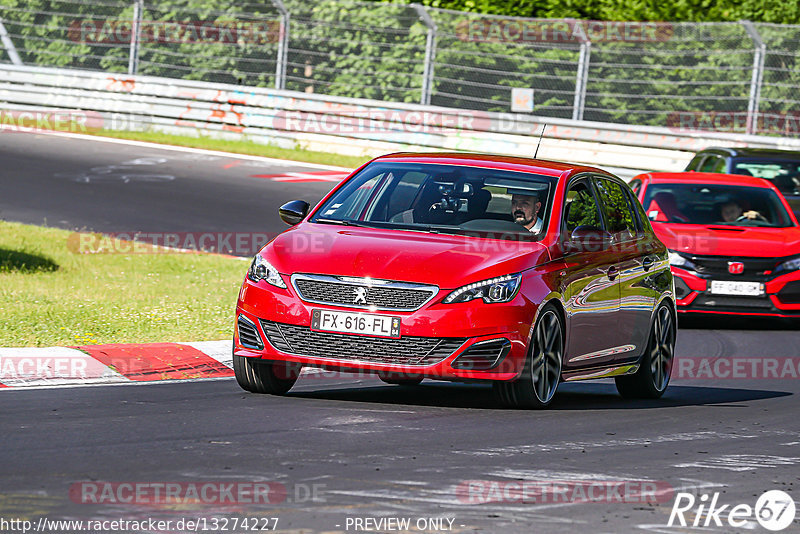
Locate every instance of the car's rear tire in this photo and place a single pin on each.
(400, 379)
(652, 378)
(265, 376)
(537, 385)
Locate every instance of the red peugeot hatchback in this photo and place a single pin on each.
(519, 272)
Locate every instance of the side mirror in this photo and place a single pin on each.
(293, 212)
(587, 239)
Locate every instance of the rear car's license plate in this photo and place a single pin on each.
(355, 323)
(724, 287)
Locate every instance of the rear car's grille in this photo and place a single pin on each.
(718, 266)
(248, 335)
(384, 295)
(716, 301)
(303, 341)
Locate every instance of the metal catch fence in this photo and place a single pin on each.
(734, 77)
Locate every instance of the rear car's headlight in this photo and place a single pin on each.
(500, 289)
(789, 265)
(677, 260)
(261, 269)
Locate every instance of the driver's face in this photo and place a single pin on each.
(731, 211)
(524, 209)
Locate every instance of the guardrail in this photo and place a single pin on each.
(350, 126)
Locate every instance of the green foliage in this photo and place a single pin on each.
(376, 50)
(775, 11)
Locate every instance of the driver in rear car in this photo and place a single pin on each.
(525, 210)
(731, 211)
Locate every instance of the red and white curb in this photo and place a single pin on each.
(114, 364)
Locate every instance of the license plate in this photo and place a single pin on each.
(355, 323)
(751, 289)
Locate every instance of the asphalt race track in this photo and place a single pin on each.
(339, 448)
(110, 187)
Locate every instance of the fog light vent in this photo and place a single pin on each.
(483, 355)
(248, 334)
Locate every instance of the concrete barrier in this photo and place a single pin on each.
(348, 126)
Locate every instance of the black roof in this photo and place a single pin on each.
(766, 153)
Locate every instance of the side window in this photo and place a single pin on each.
(636, 211)
(620, 219)
(352, 207)
(713, 164)
(636, 186)
(581, 208)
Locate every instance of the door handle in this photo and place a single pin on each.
(647, 263)
(612, 273)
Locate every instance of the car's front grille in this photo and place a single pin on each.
(383, 295)
(717, 266)
(409, 350)
(248, 335)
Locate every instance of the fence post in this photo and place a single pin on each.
(430, 53)
(283, 45)
(757, 78)
(9, 45)
(136, 37)
(582, 77)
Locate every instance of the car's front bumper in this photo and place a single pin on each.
(781, 298)
(444, 337)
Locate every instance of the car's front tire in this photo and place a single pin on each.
(264, 376)
(537, 385)
(652, 378)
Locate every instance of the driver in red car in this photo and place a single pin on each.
(525, 210)
(731, 211)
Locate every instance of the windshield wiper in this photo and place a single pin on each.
(343, 222)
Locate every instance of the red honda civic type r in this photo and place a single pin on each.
(520, 272)
(734, 242)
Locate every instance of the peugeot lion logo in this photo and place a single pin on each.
(361, 295)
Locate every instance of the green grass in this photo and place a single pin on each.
(240, 147)
(52, 296)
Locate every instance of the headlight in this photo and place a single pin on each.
(679, 261)
(261, 269)
(789, 265)
(500, 289)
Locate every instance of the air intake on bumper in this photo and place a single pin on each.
(483, 355)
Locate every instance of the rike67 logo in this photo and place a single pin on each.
(774, 510)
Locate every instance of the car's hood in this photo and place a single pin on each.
(448, 261)
(713, 240)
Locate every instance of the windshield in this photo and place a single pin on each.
(443, 199)
(785, 174)
(715, 204)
